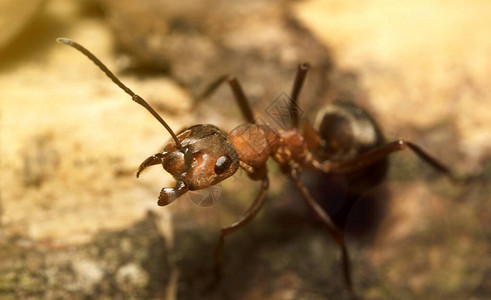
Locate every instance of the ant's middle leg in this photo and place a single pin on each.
(328, 224)
(242, 101)
(380, 152)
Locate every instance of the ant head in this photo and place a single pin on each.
(198, 158)
(204, 157)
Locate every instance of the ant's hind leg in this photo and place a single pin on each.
(328, 224)
(241, 222)
(380, 152)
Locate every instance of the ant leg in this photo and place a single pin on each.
(239, 95)
(242, 221)
(378, 153)
(245, 108)
(328, 224)
(211, 88)
(297, 87)
(152, 160)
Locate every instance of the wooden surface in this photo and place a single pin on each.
(75, 221)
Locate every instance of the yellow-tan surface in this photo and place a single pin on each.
(70, 141)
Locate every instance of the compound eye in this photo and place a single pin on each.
(222, 164)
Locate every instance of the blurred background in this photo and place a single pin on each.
(76, 223)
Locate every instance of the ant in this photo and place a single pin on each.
(347, 141)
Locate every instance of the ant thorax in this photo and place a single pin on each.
(256, 143)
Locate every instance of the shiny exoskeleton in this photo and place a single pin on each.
(343, 140)
(351, 199)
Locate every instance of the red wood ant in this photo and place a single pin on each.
(347, 141)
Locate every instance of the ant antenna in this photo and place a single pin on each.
(118, 82)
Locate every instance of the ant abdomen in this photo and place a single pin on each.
(346, 131)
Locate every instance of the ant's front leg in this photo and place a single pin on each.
(239, 95)
(327, 223)
(241, 222)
